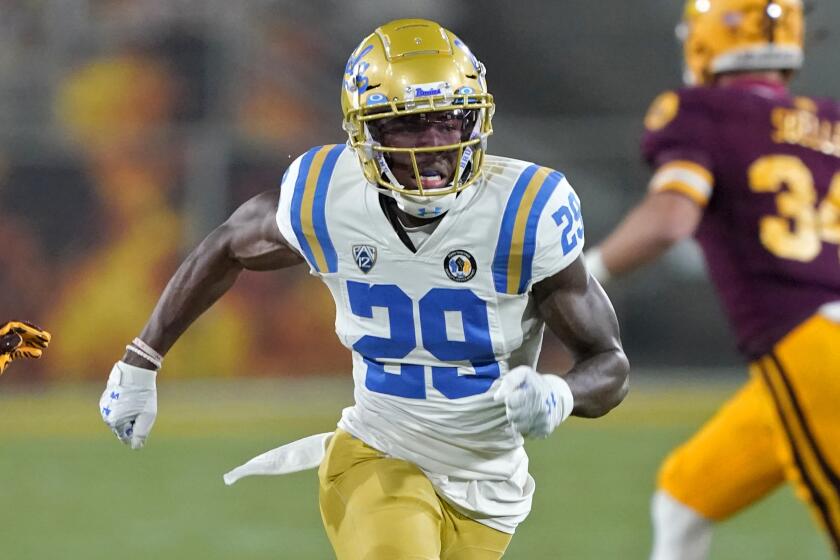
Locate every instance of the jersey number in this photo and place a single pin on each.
(437, 309)
(801, 226)
(567, 217)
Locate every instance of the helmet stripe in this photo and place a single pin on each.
(771, 22)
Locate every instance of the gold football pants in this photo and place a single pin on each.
(379, 508)
(784, 424)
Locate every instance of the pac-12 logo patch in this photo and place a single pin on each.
(459, 265)
(365, 257)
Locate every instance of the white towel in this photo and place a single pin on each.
(300, 455)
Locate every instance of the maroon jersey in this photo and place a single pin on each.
(766, 166)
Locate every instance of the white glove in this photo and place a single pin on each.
(129, 403)
(535, 403)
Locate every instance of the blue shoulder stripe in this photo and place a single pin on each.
(500, 260)
(540, 201)
(309, 207)
(513, 261)
(319, 207)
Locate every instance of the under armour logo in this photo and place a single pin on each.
(115, 395)
(106, 411)
(551, 402)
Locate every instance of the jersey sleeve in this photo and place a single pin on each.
(541, 231)
(677, 144)
(284, 209)
(560, 233)
(302, 212)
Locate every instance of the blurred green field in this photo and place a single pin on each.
(68, 490)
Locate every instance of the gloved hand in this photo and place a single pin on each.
(535, 403)
(19, 339)
(129, 403)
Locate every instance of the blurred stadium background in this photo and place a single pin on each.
(129, 128)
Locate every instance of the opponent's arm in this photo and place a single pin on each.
(651, 228)
(249, 239)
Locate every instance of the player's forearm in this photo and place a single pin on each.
(599, 382)
(635, 242)
(648, 231)
(206, 274)
(579, 312)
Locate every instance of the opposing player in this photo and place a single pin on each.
(753, 173)
(19, 339)
(445, 264)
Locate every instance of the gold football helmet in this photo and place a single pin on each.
(740, 35)
(416, 67)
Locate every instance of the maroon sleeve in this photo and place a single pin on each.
(678, 126)
(677, 144)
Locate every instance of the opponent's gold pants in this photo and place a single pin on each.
(379, 508)
(784, 424)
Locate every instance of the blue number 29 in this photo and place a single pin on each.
(567, 217)
(476, 347)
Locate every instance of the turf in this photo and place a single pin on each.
(68, 490)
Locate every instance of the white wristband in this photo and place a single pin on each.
(147, 349)
(148, 357)
(126, 374)
(595, 265)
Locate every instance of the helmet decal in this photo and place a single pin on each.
(354, 72)
(376, 99)
(476, 64)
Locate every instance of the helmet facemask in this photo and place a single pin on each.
(430, 151)
(434, 116)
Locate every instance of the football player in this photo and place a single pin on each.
(19, 339)
(445, 264)
(753, 173)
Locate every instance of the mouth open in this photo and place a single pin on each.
(432, 179)
(433, 173)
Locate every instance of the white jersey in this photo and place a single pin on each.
(432, 331)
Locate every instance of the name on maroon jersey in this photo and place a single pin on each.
(804, 128)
